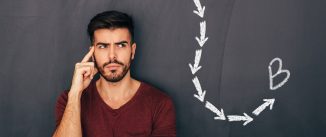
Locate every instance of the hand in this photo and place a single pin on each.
(83, 74)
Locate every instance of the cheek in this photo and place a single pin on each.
(100, 55)
(126, 57)
(99, 59)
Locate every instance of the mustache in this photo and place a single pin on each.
(113, 61)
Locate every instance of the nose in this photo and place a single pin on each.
(112, 53)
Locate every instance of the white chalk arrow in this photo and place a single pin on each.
(201, 93)
(201, 41)
(220, 114)
(200, 10)
(245, 118)
(268, 102)
(196, 66)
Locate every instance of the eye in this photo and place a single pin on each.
(122, 45)
(101, 46)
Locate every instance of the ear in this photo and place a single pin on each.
(133, 50)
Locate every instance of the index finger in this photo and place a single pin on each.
(88, 55)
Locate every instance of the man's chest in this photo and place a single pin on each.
(133, 121)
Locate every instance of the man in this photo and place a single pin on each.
(116, 105)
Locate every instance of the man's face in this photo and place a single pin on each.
(113, 53)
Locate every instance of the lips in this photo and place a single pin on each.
(112, 66)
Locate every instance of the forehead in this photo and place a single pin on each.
(111, 35)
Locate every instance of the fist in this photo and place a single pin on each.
(83, 74)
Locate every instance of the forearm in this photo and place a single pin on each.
(70, 125)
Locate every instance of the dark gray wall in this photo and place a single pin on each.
(42, 40)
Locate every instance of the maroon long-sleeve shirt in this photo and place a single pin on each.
(149, 113)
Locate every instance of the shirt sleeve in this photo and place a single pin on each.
(60, 107)
(164, 120)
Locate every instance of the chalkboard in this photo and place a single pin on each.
(246, 68)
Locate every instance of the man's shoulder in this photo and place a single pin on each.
(161, 106)
(153, 93)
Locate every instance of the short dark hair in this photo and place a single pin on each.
(110, 20)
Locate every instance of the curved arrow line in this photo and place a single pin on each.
(201, 94)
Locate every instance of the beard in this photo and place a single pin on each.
(115, 75)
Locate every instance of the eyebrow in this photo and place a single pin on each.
(121, 42)
(117, 43)
(102, 43)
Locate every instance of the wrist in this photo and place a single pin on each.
(74, 94)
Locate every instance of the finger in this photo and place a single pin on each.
(87, 72)
(94, 71)
(88, 55)
(82, 68)
(86, 64)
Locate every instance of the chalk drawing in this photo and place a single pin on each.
(196, 66)
(201, 93)
(268, 102)
(220, 114)
(245, 118)
(202, 39)
(279, 71)
(200, 10)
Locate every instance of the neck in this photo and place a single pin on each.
(116, 90)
